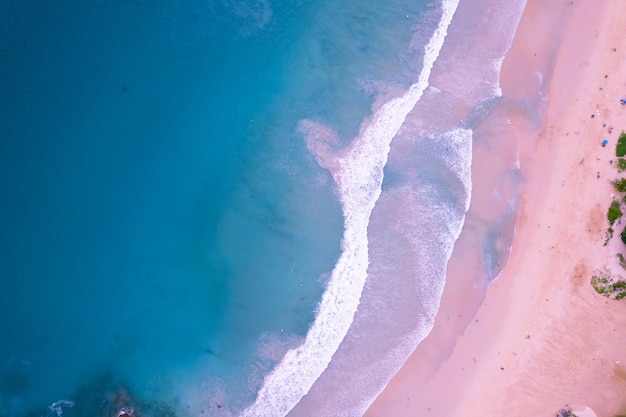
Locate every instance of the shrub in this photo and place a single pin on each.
(620, 148)
(621, 164)
(620, 185)
(609, 236)
(605, 284)
(623, 236)
(619, 286)
(614, 212)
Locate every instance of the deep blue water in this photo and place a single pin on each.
(160, 212)
(126, 130)
(175, 177)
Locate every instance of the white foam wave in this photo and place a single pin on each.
(57, 407)
(421, 210)
(358, 172)
(414, 220)
(480, 41)
(459, 159)
(497, 66)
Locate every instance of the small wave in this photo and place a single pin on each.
(57, 407)
(358, 172)
(253, 15)
(411, 233)
(480, 40)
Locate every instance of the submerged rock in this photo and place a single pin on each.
(106, 396)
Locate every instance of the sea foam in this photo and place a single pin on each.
(358, 172)
(411, 233)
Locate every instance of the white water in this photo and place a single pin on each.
(412, 231)
(358, 172)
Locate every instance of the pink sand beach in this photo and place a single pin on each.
(543, 338)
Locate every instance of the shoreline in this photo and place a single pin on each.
(543, 338)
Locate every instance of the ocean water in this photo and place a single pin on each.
(234, 207)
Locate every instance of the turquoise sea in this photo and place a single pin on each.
(231, 207)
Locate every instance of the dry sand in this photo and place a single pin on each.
(543, 338)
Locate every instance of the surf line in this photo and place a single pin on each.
(359, 176)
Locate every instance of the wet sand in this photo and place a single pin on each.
(543, 338)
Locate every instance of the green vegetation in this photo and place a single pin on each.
(609, 236)
(620, 149)
(606, 285)
(601, 280)
(614, 212)
(620, 185)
